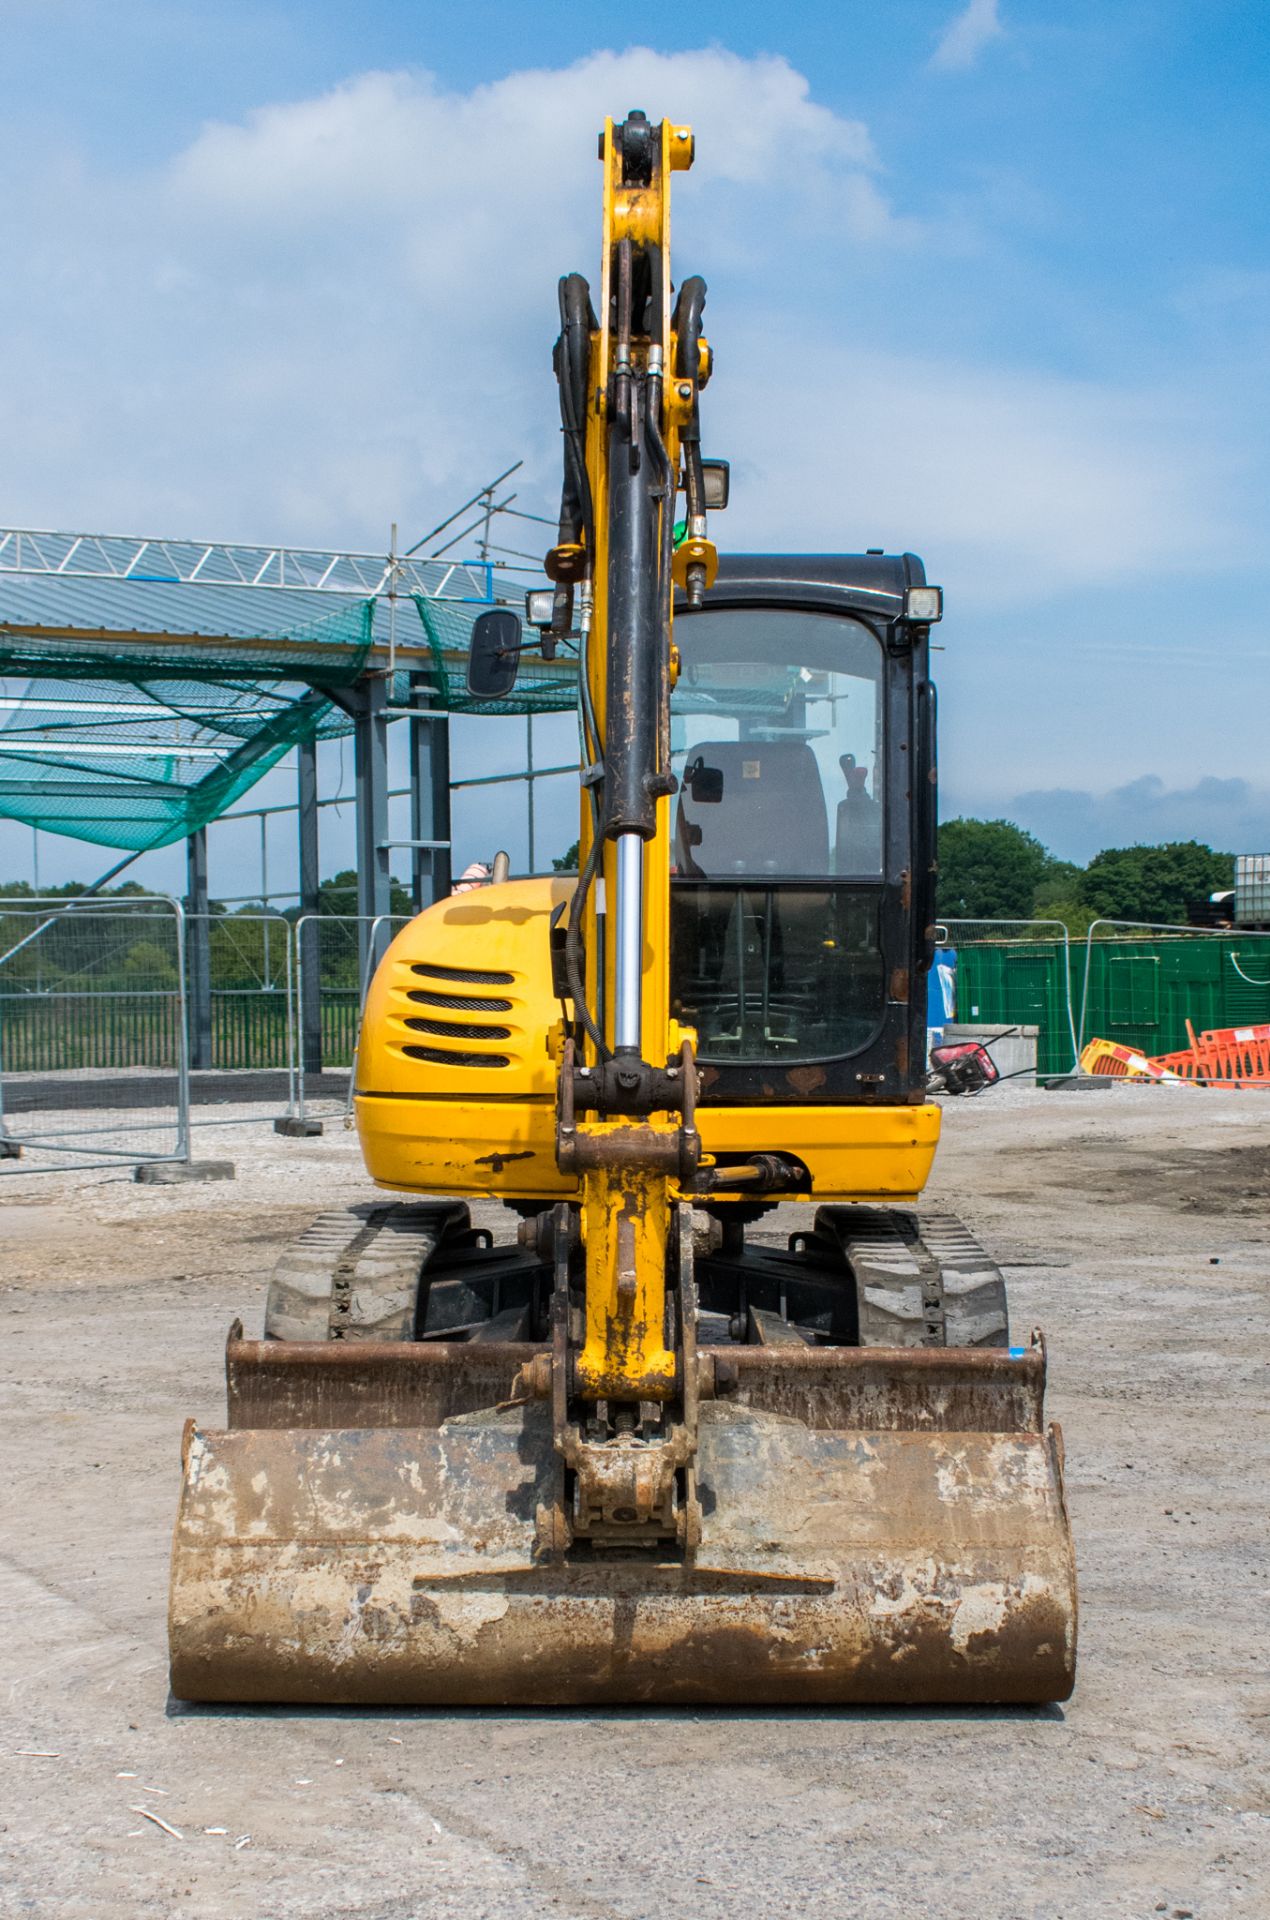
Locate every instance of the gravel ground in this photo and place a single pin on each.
(1135, 1228)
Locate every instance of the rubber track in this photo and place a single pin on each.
(354, 1273)
(921, 1280)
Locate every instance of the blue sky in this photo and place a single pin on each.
(990, 281)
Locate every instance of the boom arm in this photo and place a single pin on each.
(629, 383)
(629, 403)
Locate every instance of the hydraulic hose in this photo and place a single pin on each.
(571, 361)
(665, 557)
(689, 308)
(573, 956)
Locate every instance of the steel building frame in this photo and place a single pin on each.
(368, 702)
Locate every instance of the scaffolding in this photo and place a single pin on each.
(164, 677)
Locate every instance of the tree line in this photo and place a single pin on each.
(245, 953)
(993, 870)
(337, 895)
(988, 870)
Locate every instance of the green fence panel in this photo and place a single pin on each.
(1142, 992)
(60, 1032)
(1008, 984)
(339, 1026)
(249, 1028)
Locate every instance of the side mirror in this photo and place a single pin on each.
(494, 657)
(704, 783)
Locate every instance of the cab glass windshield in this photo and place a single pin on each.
(776, 740)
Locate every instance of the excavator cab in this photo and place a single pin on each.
(649, 1449)
(803, 843)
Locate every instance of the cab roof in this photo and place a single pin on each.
(873, 582)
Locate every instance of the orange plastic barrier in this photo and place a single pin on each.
(1223, 1057)
(1112, 1061)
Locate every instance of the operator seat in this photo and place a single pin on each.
(769, 818)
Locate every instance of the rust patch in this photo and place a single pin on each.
(1037, 1637)
(806, 1080)
(884, 1389)
(368, 1383)
(497, 1161)
(899, 985)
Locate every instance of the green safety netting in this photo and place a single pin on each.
(137, 711)
(139, 763)
(56, 623)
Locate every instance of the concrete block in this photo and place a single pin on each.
(291, 1127)
(177, 1173)
(1082, 1083)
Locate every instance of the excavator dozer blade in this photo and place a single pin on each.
(855, 1545)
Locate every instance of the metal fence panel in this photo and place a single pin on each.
(250, 970)
(93, 1061)
(249, 1014)
(1017, 973)
(1142, 981)
(332, 942)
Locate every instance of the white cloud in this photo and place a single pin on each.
(1013, 484)
(339, 312)
(1231, 815)
(966, 36)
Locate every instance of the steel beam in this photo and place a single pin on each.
(198, 946)
(310, 870)
(429, 797)
(370, 745)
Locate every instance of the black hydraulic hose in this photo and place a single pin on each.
(623, 391)
(572, 366)
(666, 552)
(653, 327)
(689, 308)
(573, 956)
(694, 476)
(687, 324)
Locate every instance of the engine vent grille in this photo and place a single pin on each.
(466, 1017)
(446, 1057)
(459, 1002)
(460, 1029)
(470, 976)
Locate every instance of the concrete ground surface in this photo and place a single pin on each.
(1135, 1229)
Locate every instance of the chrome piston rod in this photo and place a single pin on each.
(629, 935)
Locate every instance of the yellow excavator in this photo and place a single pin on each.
(645, 1451)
